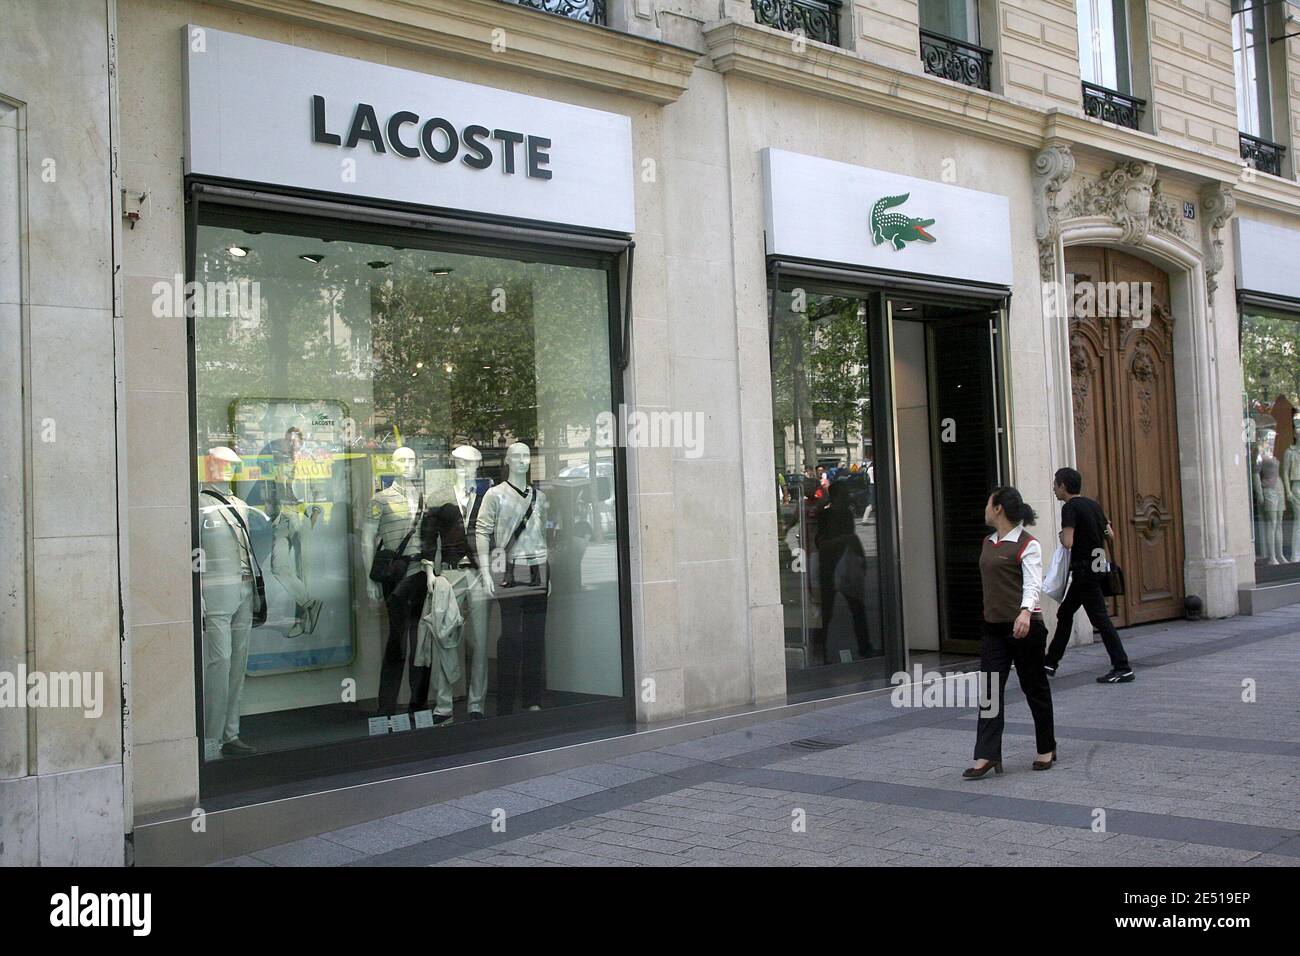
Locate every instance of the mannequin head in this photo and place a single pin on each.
(518, 458)
(293, 441)
(1267, 436)
(220, 464)
(404, 463)
(466, 459)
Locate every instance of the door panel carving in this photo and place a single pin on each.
(1125, 421)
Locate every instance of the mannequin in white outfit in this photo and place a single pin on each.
(469, 592)
(447, 537)
(523, 594)
(229, 599)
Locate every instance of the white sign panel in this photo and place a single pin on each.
(839, 213)
(270, 113)
(1268, 258)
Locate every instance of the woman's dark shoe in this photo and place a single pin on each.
(974, 773)
(1045, 764)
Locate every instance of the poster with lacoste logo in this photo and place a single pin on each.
(838, 213)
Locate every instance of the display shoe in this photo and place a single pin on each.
(440, 719)
(313, 614)
(296, 631)
(237, 748)
(476, 715)
(974, 773)
(1045, 764)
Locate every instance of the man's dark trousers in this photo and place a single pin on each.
(1085, 592)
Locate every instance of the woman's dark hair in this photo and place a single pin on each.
(1013, 505)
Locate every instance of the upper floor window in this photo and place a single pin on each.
(1250, 60)
(950, 35)
(958, 19)
(1104, 44)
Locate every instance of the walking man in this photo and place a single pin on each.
(1084, 529)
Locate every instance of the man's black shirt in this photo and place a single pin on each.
(1089, 523)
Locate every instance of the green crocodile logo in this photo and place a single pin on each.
(895, 227)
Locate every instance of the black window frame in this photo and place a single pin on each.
(243, 780)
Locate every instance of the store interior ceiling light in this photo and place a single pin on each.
(311, 257)
(239, 251)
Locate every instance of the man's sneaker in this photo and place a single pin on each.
(1051, 669)
(1117, 676)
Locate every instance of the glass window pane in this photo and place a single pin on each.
(363, 404)
(1270, 361)
(825, 482)
(953, 18)
(1103, 43)
(1250, 61)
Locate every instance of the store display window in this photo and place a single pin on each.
(405, 520)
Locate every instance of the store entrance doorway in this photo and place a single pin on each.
(952, 454)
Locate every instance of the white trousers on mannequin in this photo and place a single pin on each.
(225, 660)
(287, 526)
(474, 607)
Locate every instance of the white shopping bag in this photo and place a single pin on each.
(1057, 577)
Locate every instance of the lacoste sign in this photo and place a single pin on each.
(895, 228)
(825, 211)
(272, 114)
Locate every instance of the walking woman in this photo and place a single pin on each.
(1011, 570)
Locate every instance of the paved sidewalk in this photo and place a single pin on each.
(1185, 772)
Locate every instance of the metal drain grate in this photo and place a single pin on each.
(815, 743)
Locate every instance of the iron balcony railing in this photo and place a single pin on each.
(1262, 154)
(816, 19)
(587, 11)
(957, 60)
(1112, 106)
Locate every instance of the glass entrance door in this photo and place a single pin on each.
(833, 458)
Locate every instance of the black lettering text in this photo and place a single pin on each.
(365, 126)
(395, 124)
(447, 153)
(319, 134)
(538, 157)
(473, 137)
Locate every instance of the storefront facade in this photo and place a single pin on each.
(1268, 297)
(392, 286)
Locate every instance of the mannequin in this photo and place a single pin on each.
(288, 524)
(521, 593)
(1291, 486)
(448, 536)
(394, 513)
(229, 598)
(1270, 499)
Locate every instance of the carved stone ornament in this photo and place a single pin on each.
(1166, 214)
(1053, 166)
(1122, 195)
(1218, 203)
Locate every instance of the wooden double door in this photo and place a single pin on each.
(1126, 422)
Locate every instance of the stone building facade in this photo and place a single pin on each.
(711, 612)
